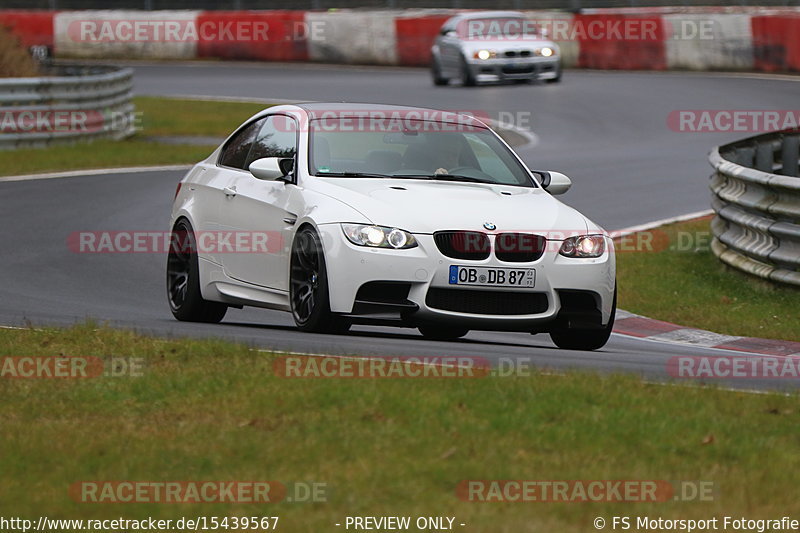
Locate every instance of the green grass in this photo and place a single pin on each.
(174, 116)
(208, 410)
(686, 284)
(158, 117)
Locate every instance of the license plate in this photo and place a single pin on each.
(494, 277)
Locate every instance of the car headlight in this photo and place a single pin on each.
(547, 51)
(583, 246)
(484, 54)
(379, 236)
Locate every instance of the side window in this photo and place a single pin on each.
(276, 138)
(234, 154)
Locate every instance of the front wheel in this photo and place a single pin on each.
(557, 78)
(585, 339)
(467, 77)
(183, 279)
(436, 74)
(308, 287)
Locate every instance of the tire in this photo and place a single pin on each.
(585, 339)
(183, 279)
(557, 79)
(441, 332)
(436, 74)
(467, 78)
(308, 286)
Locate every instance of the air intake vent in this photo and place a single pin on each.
(487, 302)
(463, 244)
(519, 247)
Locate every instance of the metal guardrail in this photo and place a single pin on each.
(756, 196)
(67, 104)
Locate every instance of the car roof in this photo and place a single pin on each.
(351, 109)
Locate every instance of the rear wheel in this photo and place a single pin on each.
(183, 279)
(585, 339)
(441, 332)
(308, 287)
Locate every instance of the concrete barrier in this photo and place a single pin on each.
(126, 34)
(259, 35)
(709, 41)
(776, 42)
(361, 37)
(625, 42)
(33, 28)
(766, 39)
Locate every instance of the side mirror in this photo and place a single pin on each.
(553, 182)
(271, 168)
(448, 33)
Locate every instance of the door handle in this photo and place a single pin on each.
(229, 191)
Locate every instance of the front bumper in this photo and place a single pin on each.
(534, 68)
(425, 271)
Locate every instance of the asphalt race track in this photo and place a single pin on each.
(607, 131)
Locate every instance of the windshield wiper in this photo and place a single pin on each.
(349, 174)
(444, 177)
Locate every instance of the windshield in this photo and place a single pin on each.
(413, 149)
(496, 28)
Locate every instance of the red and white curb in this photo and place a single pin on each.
(642, 327)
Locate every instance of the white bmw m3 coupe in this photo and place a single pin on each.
(372, 214)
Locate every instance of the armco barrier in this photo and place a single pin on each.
(756, 196)
(72, 103)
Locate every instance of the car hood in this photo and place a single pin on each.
(428, 206)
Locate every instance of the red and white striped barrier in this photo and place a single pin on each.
(702, 38)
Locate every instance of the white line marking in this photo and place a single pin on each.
(695, 337)
(234, 99)
(663, 222)
(93, 172)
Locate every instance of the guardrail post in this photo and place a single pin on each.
(790, 155)
(764, 157)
